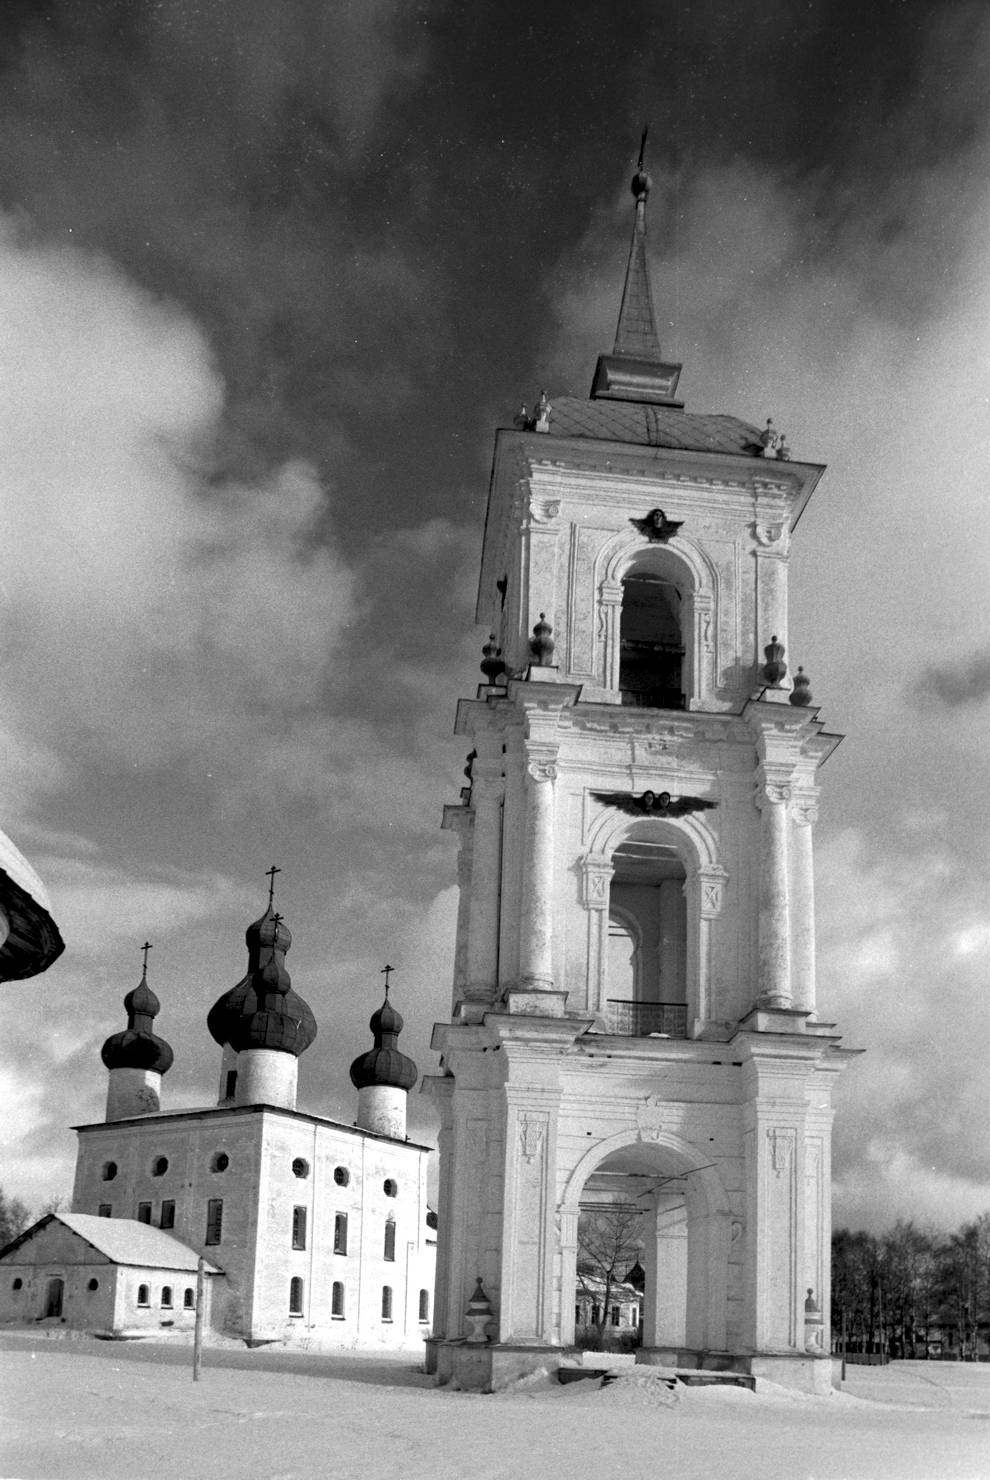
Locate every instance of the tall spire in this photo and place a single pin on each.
(636, 370)
(636, 333)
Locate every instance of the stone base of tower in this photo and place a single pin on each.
(477, 1368)
(803, 1373)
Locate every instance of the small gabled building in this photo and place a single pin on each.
(114, 1276)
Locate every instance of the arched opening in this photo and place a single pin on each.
(646, 982)
(54, 1292)
(651, 638)
(647, 1220)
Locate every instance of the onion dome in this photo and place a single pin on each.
(385, 1063)
(262, 1010)
(137, 1047)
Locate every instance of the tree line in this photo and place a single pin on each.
(909, 1290)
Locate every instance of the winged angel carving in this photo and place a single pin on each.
(653, 803)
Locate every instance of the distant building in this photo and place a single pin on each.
(314, 1231)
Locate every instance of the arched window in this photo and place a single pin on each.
(646, 981)
(144, 1295)
(166, 1297)
(189, 1298)
(340, 1233)
(390, 1239)
(337, 1301)
(295, 1296)
(386, 1302)
(424, 1305)
(299, 1228)
(17, 1283)
(651, 646)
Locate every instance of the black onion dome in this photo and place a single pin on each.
(385, 1063)
(263, 1011)
(137, 1047)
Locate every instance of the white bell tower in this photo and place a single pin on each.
(634, 1015)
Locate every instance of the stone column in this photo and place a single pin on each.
(775, 907)
(596, 877)
(536, 943)
(481, 964)
(803, 908)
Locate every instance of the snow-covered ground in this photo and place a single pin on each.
(75, 1409)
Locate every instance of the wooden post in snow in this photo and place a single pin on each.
(198, 1329)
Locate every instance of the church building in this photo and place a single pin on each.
(313, 1231)
(634, 1019)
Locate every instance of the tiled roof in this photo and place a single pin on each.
(126, 1241)
(652, 426)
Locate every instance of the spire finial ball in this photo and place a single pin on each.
(640, 185)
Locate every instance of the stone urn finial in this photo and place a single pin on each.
(541, 644)
(774, 669)
(801, 692)
(814, 1324)
(478, 1316)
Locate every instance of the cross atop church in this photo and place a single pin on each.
(385, 972)
(270, 875)
(146, 948)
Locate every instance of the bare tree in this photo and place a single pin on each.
(14, 1218)
(610, 1240)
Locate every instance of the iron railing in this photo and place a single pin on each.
(640, 1019)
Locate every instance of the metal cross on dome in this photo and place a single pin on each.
(146, 948)
(385, 972)
(270, 875)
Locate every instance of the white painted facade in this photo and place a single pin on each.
(283, 1180)
(635, 990)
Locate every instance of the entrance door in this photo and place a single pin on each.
(53, 1297)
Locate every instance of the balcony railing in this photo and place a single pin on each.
(640, 1019)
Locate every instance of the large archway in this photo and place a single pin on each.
(685, 1234)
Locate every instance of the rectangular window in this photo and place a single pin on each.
(167, 1219)
(105, 1210)
(214, 1220)
(231, 1084)
(299, 1228)
(144, 1213)
(337, 1301)
(616, 1315)
(386, 1302)
(340, 1234)
(390, 1240)
(424, 1305)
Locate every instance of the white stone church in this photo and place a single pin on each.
(313, 1231)
(634, 1016)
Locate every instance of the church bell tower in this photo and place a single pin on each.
(634, 1017)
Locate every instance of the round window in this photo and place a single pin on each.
(341, 1176)
(159, 1166)
(300, 1167)
(93, 1285)
(109, 1171)
(220, 1162)
(391, 1187)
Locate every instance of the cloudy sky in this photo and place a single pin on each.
(270, 275)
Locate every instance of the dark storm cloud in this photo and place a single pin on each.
(363, 203)
(963, 682)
